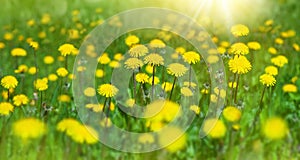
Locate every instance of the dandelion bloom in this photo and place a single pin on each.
(89, 91)
(66, 49)
(66, 125)
(279, 41)
(271, 70)
(62, 72)
(232, 114)
(48, 59)
(221, 50)
(5, 108)
(279, 61)
(218, 91)
(180, 50)
(295, 46)
(195, 108)
(232, 84)
(64, 98)
(20, 99)
(239, 65)
(107, 90)
(34, 45)
(114, 64)
(267, 80)
(172, 138)
(131, 40)
(146, 138)
(239, 30)
(133, 63)
(130, 102)
(18, 52)
(167, 86)
(29, 128)
(239, 49)
(99, 73)
(290, 88)
(272, 50)
(176, 69)
(154, 59)
(106, 122)
(84, 134)
(118, 56)
(52, 77)
(212, 59)
(104, 59)
(254, 45)
(142, 78)
(21, 69)
(157, 43)
(9, 82)
(138, 50)
(215, 128)
(156, 80)
(275, 128)
(41, 84)
(186, 91)
(191, 57)
(32, 70)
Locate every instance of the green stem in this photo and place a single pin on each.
(237, 87)
(173, 86)
(153, 75)
(190, 75)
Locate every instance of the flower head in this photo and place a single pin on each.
(232, 114)
(20, 99)
(176, 69)
(195, 108)
(254, 45)
(215, 128)
(104, 59)
(239, 49)
(154, 59)
(34, 45)
(271, 70)
(142, 78)
(267, 80)
(6, 108)
(133, 63)
(29, 128)
(172, 138)
(62, 72)
(279, 61)
(41, 84)
(19, 52)
(138, 50)
(191, 57)
(275, 128)
(131, 40)
(290, 88)
(66, 49)
(157, 43)
(239, 30)
(186, 91)
(239, 65)
(107, 90)
(89, 91)
(9, 82)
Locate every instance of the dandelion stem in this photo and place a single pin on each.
(262, 97)
(190, 75)
(153, 75)
(41, 102)
(172, 88)
(237, 87)
(134, 85)
(232, 87)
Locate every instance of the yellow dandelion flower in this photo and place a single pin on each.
(107, 90)
(156, 80)
(29, 128)
(2, 45)
(239, 65)
(6, 108)
(131, 40)
(224, 44)
(30, 22)
(64, 98)
(154, 59)
(8, 36)
(142, 78)
(180, 50)
(204, 91)
(272, 50)
(133, 63)
(186, 91)
(20, 99)
(289, 88)
(279, 61)
(149, 69)
(176, 69)
(46, 18)
(157, 43)
(84, 134)
(220, 92)
(239, 49)
(21, 69)
(19, 52)
(232, 84)
(275, 128)
(41, 84)
(239, 30)
(106, 122)
(66, 49)
(104, 59)
(212, 59)
(89, 91)
(138, 50)
(167, 86)
(269, 22)
(9, 82)
(52, 77)
(118, 57)
(215, 128)
(114, 64)
(48, 59)
(271, 70)
(146, 138)
(295, 46)
(254, 45)
(232, 114)
(195, 108)
(173, 138)
(130, 102)
(66, 125)
(99, 73)
(34, 45)
(191, 57)
(32, 70)
(294, 79)
(221, 50)
(279, 41)
(267, 80)
(62, 72)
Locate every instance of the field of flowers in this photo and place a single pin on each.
(76, 82)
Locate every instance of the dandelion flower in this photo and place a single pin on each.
(167, 86)
(32, 70)
(131, 40)
(118, 57)
(66, 125)
(186, 91)
(232, 84)
(279, 61)
(239, 65)
(64, 98)
(9, 82)
(104, 59)
(52, 77)
(254, 45)
(62, 72)
(195, 108)
(146, 138)
(180, 50)
(290, 88)
(271, 70)
(107, 90)
(48, 59)
(138, 50)
(267, 80)
(239, 49)
(106, 122)
(114, 64)
(130, 102)
(20, 99)
(21, 69)
(142, 78)
(6, 108)
(133, 63)
(66, 49)
(191, 57)
(279, 41)
(212, 59)
(41, 84)
(215, 128)
(89, 91)
(176, 69)
(232, 114)
(157, 43)
(295, 46)
(172, 138)
(275, 128)
(154, 59)
(99, 73)
(19, 52)
(34, 45)
(272, 50)
(239, 30)
(29, 128)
